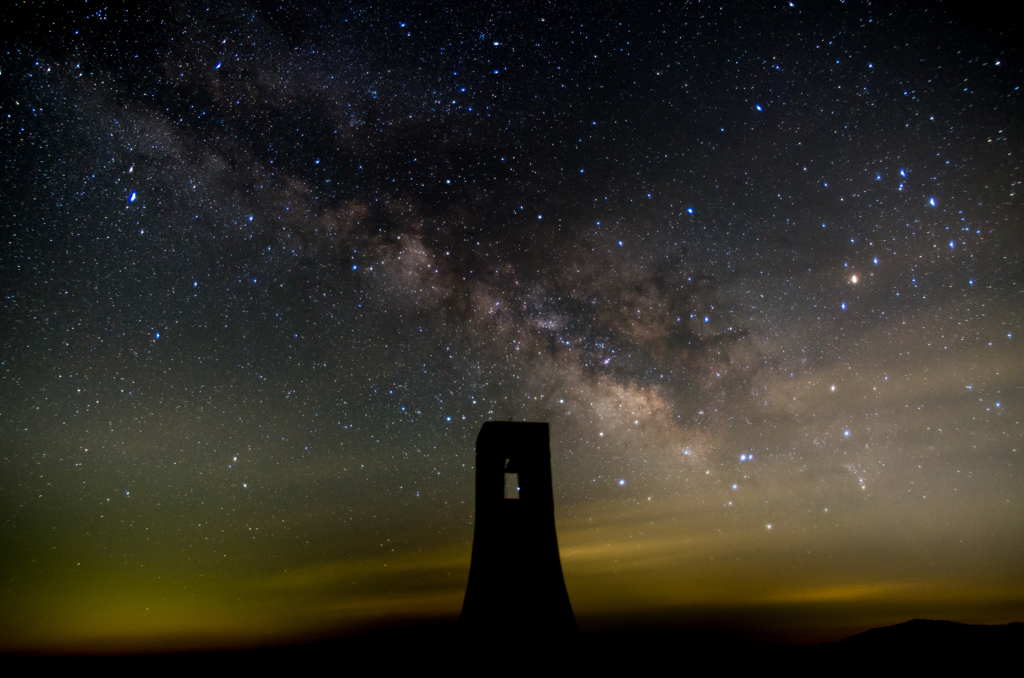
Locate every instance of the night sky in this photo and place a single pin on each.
(266, 269)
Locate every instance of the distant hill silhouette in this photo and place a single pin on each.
(919, 631)
(933, 642)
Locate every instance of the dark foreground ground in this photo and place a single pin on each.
(911, 646)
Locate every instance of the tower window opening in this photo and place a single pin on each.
(511, 486)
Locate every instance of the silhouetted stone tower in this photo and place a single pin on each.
(515, 578)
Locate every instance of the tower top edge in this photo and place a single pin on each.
(499, 434)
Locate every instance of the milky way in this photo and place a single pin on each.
(266, 272)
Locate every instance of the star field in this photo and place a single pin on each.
(267, 268)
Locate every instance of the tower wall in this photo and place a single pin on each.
(515, 577)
